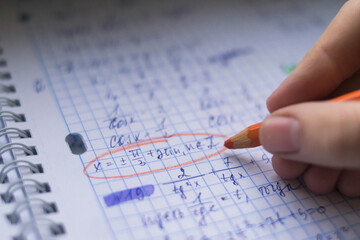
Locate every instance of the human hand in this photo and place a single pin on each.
(321, 140)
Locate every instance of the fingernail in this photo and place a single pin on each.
(280, 135)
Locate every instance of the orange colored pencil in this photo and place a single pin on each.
(249, 137)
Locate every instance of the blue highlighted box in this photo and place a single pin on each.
(138, 193)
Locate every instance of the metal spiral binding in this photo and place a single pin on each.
(15, 165)
(11, 130)
(14, 216)
(7, 102)
(17, 146)
(2, 63)
(12, 116)
(35, 168)
(7, 88)
(5, 76)
(55, 228)
(8, 196)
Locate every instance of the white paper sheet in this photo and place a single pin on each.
(155, 88)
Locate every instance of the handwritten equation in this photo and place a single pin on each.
(155, 89)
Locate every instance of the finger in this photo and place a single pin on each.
(349, 85)
(326, 134)
(333, 58)
(349, 183)
(321, 180)
(288, 169)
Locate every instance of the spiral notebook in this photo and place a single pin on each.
(114, 113)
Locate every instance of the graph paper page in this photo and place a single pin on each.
(154, 88)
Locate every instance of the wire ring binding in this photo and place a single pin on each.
(13, 130)
(8, 102)
(14, 116)
(55, 228)
(3, 173)
(3, 63)
(7, 196)
(14, 216)
(7, 88)
(20, 146)
(5, 75)
(3, 177)
(47, 206)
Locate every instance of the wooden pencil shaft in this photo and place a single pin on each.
(249, 137)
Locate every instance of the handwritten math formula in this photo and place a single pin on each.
(155, 89)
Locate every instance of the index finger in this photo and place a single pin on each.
(333, 58)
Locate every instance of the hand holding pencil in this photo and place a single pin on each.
(318, 140)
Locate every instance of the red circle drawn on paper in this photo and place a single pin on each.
(152, 141)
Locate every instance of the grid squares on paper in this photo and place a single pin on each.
(87, 104)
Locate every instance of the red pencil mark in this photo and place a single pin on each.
(152, 141)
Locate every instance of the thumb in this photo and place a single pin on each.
(326, 133)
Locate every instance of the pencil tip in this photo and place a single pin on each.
(229, 144)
